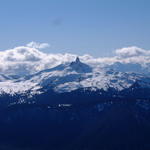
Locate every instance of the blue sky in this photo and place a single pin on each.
(96, 27)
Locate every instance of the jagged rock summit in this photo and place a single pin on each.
(80, 67)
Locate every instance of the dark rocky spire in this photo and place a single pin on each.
(77, 60)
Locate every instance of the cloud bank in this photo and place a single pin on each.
(24, 60)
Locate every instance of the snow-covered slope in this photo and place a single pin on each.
(72, 76)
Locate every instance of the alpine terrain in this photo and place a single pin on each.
(75, 106)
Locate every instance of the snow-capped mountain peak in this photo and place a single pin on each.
(72, 76)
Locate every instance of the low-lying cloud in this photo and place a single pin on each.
(24, 60)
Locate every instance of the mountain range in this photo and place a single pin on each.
(72, 76)
(76, 106)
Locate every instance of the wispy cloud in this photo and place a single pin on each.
(38, 45)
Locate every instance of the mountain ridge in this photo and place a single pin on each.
(72, 76)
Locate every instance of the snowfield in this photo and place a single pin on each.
(68, 77)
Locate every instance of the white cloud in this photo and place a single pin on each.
(28, 59)
(132, 52)
(38, 45)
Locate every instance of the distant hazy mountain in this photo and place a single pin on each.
(130, 67)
